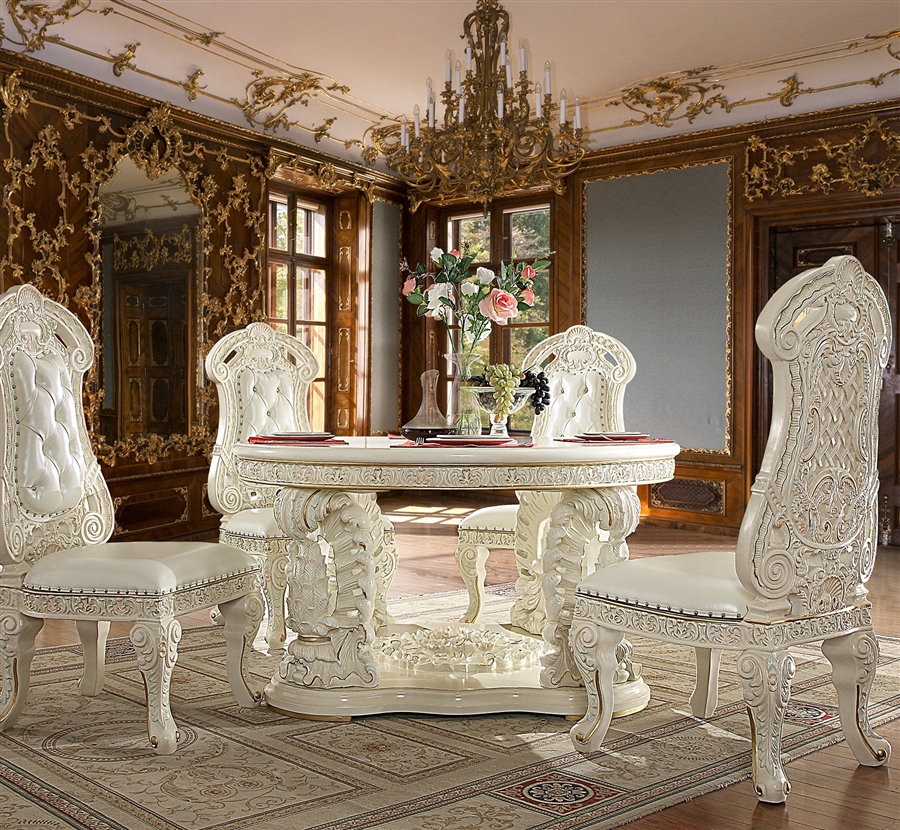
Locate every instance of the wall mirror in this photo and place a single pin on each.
(658, 278)
(150, 247)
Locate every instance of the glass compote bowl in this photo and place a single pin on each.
(488, 401)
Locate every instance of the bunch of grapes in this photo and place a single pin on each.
(504, 380)
(540, 399)
(538, 381)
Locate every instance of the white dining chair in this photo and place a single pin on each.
(587, 373)
(262, 377)
(57, 515)
(807, 542)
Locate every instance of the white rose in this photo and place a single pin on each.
(436, 254)
(469, 288)
(485, 275)
(435, 307)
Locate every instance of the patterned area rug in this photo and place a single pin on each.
(74, 762)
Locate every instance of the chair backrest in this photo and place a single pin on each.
(588, 372)
(807, 543)
(262, 377)
(53, 493)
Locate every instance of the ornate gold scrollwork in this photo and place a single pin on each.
(228, 186)
(665, 100)
(32, 20)
(786, 170)
(191, 86)
(15, 99)
(144, 253)
(122, 61)
(276, 93)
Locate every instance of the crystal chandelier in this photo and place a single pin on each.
(491, 141)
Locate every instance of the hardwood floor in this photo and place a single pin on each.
(830, 791)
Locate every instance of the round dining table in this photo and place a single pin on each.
(577, 504)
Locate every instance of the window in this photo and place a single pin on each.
(298, 280)
(510, 234)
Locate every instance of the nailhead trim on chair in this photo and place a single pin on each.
(684, 612)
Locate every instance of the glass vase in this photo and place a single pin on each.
(465, 411)
(429, 420)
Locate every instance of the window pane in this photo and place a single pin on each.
(278, 291)
(279, 326)
(540, 311)
(311, 306)
(314, 337)
(278, 216)
(316, 406)
(529, 233)
(522, 340)
(310, 235)
(474, 231)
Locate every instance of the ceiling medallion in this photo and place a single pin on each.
(491, 141)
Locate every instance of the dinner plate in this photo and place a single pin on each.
(469, 440)
(302, 436)
(612, 436)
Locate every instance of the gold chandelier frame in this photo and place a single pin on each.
(490, 142)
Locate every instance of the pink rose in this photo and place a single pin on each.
(499, 306)
(528, 273)
(528, 296)
(409, 286)
(454, 253)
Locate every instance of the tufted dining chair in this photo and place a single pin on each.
(262, 377)
(587, 372)
(57, 514)
(806, 545)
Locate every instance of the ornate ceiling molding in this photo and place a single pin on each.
(312, 108)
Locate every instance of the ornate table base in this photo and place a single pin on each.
(349, 658)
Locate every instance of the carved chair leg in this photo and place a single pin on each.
(274, 566)
(242, 618)
(156, 648)
(470, 559)
(17, 633)
(853, 659)
(594, 649)
(706, 690)
(766, 678)
(92, 634)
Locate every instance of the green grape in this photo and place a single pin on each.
(504, 380)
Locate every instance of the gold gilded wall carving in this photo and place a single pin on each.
(55, 155)
(867, 162)
(146, 252)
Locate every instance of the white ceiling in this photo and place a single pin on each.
(383, 50)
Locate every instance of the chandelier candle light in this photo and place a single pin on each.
(491, 141)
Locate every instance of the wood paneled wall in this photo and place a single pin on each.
(840, 166)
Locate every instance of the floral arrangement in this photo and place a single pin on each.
(473, 301)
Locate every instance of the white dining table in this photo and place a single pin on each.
(349, 657)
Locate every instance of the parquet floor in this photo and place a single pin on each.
(829, 790)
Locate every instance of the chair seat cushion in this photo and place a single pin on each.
(701, 584)
(258, 522)
(140, 568)
(496, 517)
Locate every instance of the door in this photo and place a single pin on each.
(152, 345)
(871, 242)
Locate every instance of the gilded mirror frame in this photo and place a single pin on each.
(156, 148)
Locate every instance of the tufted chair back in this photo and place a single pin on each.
(262, 377)
(588, 372)
(807, 542)
(53, 493)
